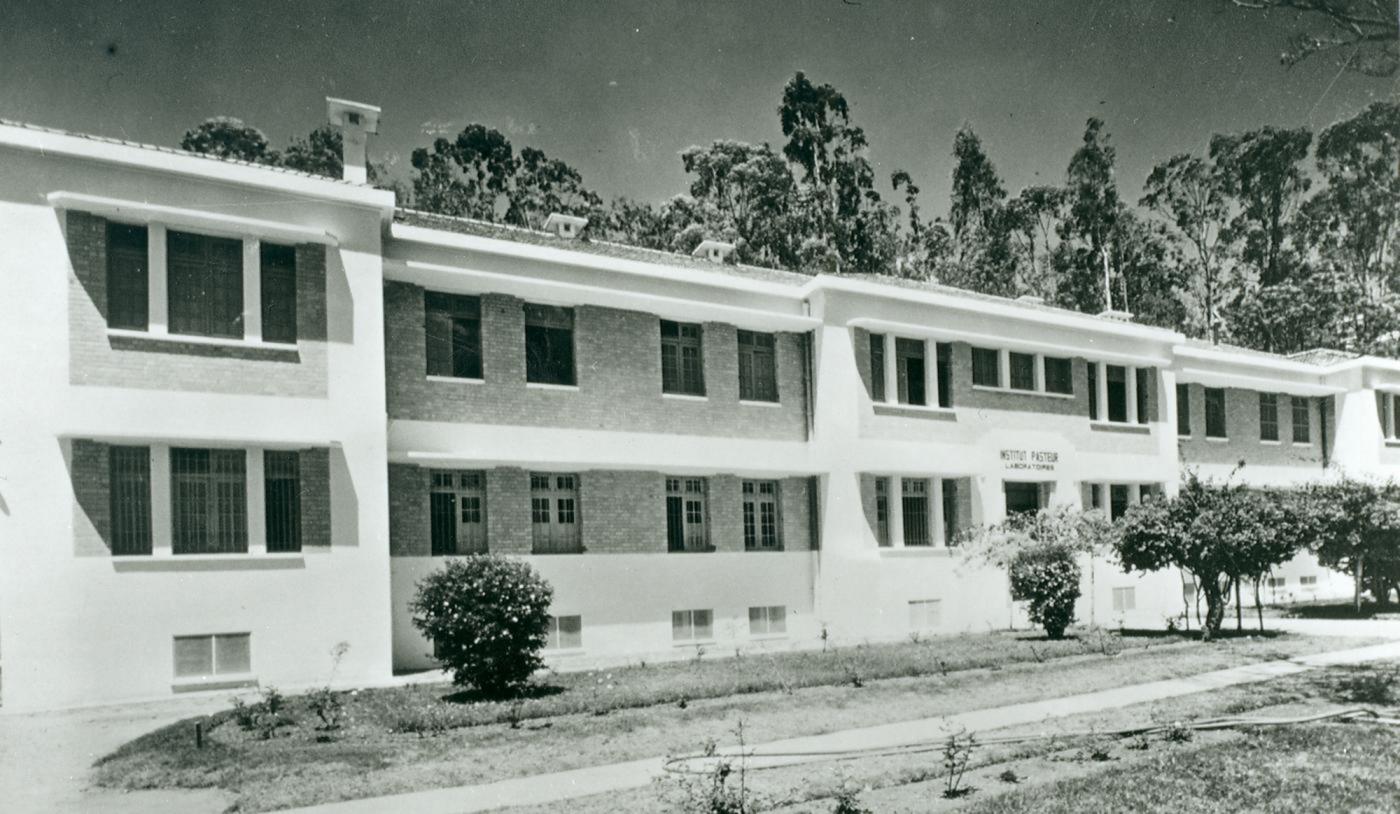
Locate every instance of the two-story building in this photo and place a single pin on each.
(250, 408)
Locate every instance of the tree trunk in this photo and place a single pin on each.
(1360, 575)
(1258, 606)
(1215, 612)
(1239, 608)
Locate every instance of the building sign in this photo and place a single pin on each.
(1038, 460)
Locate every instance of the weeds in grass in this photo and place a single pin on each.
(1139, 743)
(1178, 732)
(957, 753)
(1373, 685)
(1009, 776)
(722, 789)
(1097, 748)
(848, 798)
(424, 721)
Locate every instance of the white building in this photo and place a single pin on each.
(249, 408)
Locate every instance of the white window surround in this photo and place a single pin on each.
(891, 359)
(1004, 376)
(937, 536)
(684, 397)
(457, 379)
(547, 386)
(1101, 396)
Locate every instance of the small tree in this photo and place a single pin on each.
(1040, 551)
(1220, 534)
(1355, 528)
(487, 617)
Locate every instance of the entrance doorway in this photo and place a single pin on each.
(1023, 497)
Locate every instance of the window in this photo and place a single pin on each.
(1117, 393)
(1275, 583)
(882, 511)
(1215, 412)
(209, 501)
(950, 512)
(208, 656)
(204, 284)
(452, 335)
(128, 277)
(944, 354)
(1124, 599)
(1096, 496)
(1059, 376)
(1183, 410)
(278, 266)
(1149, 491)
(1308, 582)
(129, 470)
(768, 621)
(925, 614)
(877, 367)
(564, 633)
(1385, 408)
(1022, 371)
(758, 367)
(1117, 500)
(685, 515)
(1302, 419)
(282, 500)
(986, 367)
(761, 532)
(914, 503)
(911, 371)
(549, 345)
(457, 512)
(682, 360)
(1268, 417)
(554, 514)
(1092, 369)
(1021, 497)
(692, 626)
(1145, 379)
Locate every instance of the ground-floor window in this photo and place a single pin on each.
(915, 506)
(1023, 497)
(209, 500)
(457, 512)
(925, 614)
(1276, 582)
(770, 620)
(554, 513)
(686, 526)
(282, 500)
(1308, 582)
(130, 483)
(1124, 599)
(761, 529)
(564, 633)
(692, 626)
(213, 655)
(882, 512)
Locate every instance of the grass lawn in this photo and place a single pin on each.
(418, 737)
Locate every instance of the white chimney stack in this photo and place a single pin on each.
(356, 121)
(714, 250)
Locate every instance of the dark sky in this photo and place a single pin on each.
(618, 88)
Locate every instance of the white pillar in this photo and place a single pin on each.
(896, 512)
(931, 371)
(252, 290)
(162, 523)
(157, 292)
(257, 502)
(1003, 368)
(891, 370)
(1130, 379)
(1040, 373)
(939, 538)
(1101, 386)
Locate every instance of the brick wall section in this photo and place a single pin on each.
(1242, 427)
(621, 512)
(315, 468)
(618, 360)
(92, 507)
(125, 361)
(409, 531)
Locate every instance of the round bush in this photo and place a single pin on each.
(1048, 578)
(487, 617)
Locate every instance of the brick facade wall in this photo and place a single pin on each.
(92, 508)
(618, 363)
(1242, 430)
(620, 512)
(315, 472)
(95, 358)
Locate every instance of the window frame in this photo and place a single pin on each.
(882, 512)
(773, 619)
(204, 285)
(682, 358)
(277, 292)
(688, 620)
(1068, 378)
(128, 276)
(911, 384)
(878, 385)
(1027, 362)
(1222, 411)
(1300, 415)
(916, 512)
(215, 672)
(225, 528)
(554, 633)
(687, 514)
(555, 496)
(129, 500)
(1183, 410)
(980, 370)
(452, 493)
(282, 501)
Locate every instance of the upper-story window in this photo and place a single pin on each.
(1183, 410)
(911, 371)
(206, 284)
(1144, 380)
(758, 366)
(1022, 369)
(1302, 419)
(128, 283)
(682, 358)
(1268, 417)
(1385, 407)
(986, 367)
(686, 527)
(1215, 413)
(549, 345)
(452, 335)
(1117, 383)
(1059, 376)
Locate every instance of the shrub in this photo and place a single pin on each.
(264, 716)
(325, 704)
(487, 617)
(1047, 576)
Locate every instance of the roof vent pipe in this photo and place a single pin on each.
(356, 121)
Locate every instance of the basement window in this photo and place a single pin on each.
(210, 656)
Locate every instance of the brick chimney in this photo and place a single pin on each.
(356, 121)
